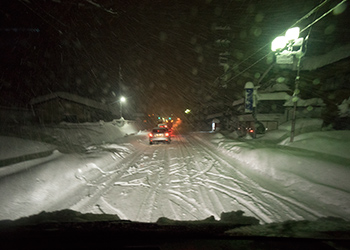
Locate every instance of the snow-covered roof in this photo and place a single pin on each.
(278, 87)
(304, 103)
(273, 96)
(343, 108)
(283, 96)
(238, 102)
(315, 62)
(70, 97)
(211, 116)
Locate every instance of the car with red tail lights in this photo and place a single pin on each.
(159, 135)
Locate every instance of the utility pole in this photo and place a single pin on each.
(120, 79)
(295, 100)
(287, 48)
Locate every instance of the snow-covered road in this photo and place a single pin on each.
(191, 179)
(196, 176)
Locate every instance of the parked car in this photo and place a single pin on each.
(159, 135)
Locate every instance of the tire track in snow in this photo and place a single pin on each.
(245, 204)
(230, 191)
(173, 212)
(212, 204)
(184, 190)
(105, 185)
(256, 192)
(203, 198)
(186, 180)
(195, 208)
(149, 206)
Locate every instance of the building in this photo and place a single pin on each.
(275, 108)
(61, 106)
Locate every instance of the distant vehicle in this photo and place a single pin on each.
(168, 125)
(159, 135)
(162, 125)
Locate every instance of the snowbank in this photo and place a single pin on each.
(45, 185)
(316, 164)
(40, 141)
(301, 126)
(336, 143)
(52, 176)
(12, 147)
(86, 134)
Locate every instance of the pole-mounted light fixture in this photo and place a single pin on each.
(286, 47)
(279, 43)
(121, 100)
(289, 44)
(292, 33)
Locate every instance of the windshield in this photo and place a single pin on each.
(258, 125)
(159, 130)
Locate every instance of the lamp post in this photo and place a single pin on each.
(122, 99)
(285, 48)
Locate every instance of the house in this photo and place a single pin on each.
(275, 108)
(61, 106)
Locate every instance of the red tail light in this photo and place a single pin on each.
(251, 130)
(150, 135)
(167, 134)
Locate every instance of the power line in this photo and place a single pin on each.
(249, 67)
(46, 21)
(325, 14)
(314, 10)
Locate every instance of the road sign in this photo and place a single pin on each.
(284, 59)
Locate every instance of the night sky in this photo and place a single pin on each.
(161, 55)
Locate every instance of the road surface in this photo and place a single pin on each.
(188, 179)
(194, 177)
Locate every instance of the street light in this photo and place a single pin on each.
(290, 44)
(278, 43)
(122, 99)
(292, 33)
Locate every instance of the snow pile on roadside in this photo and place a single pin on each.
(40, 141)
(53, 182)
(11, 147)
(86, 134)
(301, 126)
(335, 143)
(316, 164)
(52, 177)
